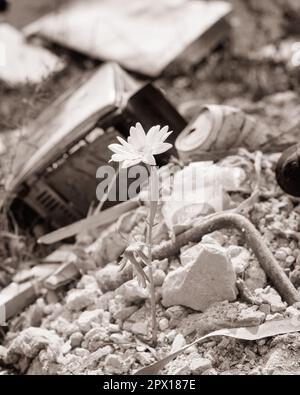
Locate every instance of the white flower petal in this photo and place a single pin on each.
(117, 158)
(126, 146)
(149, 159)
(130, 163)
(153, 135)
(117, 148)
(162, 134)
(122, 141)
(137, 136)
(161, 148)
(165, 136)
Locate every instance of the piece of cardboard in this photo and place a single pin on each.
(143, 36)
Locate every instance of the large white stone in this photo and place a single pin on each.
(206, 279)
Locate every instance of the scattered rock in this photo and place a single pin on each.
(121, 338)
(66, 348)
(63, 327)
(159, 277)
(125, 313)
(282, 362)
(274, 317)
(162, 265)
(290, 260)
(88, 282)
(36, 313)
(295, 277)
(110, 247)
(139, 328)
(178, 343)
(200, 365)
(265, 308)
(255, 277)
(171, 335)
(113, 328)
(281, 255)
(3, 354)
(176, 314)
(30, 342)
(292, 312)
(81, 352)
(240, 258)
(95, 339)
(163, 324)
(251, 317)
(114, 364)
(78, 299)
(210, 372)
(110, 277)
(76, 339)
(132, 292)
(270, 296)
(103, 301)
(88, 319)
(200, 283)
(220, 315)
(144, 358)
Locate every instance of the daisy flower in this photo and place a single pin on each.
(141, 147)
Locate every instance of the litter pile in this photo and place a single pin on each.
(226, 257)
(100, 324)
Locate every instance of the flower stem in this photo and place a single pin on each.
(153, 201)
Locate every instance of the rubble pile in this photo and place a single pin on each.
(101, 323)
(91, 317)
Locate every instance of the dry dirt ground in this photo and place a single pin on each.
(234, 74)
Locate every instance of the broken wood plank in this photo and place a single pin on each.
(104, 218)
(63, 276)
(16, 297)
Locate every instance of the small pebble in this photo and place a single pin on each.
(289, 261)
(163, 324)
(200, 365)
(76, 339)
(280, 255)
(178, 343)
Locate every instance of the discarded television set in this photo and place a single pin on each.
(54, 180)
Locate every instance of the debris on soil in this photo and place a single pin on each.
(102, 324)
(98, 321)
